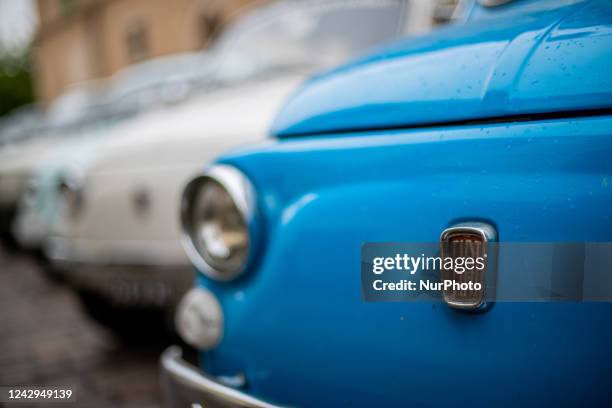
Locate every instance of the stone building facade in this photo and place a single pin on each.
(90, 39)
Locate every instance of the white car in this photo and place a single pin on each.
(148, 85)
(13, 130)
(75, 109)
(119, 239)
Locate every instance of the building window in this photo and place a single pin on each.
(210, 25)
(137, 42)
(68, 7)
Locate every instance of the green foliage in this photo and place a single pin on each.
(15, 82)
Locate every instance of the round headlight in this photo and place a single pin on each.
(217, 214)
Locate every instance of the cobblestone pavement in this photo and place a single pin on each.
(46, 340)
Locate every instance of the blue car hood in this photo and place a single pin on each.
(520, 59)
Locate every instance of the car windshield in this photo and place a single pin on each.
(162, 80)
(309, 35)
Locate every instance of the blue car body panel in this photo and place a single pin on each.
(296, 324)
(297, 327)
(536, 57)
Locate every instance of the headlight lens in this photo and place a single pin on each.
(217, 216)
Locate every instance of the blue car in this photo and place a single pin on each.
(494, 131)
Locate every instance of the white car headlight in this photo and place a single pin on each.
(217, 214)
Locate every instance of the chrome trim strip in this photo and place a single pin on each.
(493, 3)
(186, 374)
(486, 231)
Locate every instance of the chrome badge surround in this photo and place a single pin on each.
(487, 234)
(493, 3)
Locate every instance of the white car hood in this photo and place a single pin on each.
(177, 135)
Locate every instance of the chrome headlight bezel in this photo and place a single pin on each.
(242, 194)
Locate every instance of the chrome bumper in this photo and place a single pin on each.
(183, 385)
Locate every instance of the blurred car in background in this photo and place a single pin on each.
(77, 108)
(13, 129)
(118, 241)
(499, 129)
(141, 87)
